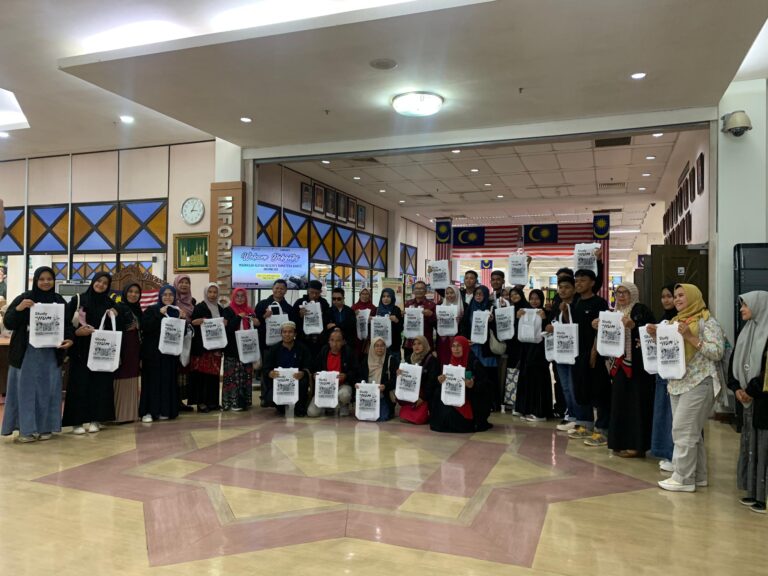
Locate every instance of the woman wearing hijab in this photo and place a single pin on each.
(482, 352)
(127, 376)
(186, 303)
(364, 302)
(237, 391)
(749, 381)
(203, 380)
(159, 392)
(515, 354)
(388, 308)
(472, 416)
(632, 390)
(418, 412)
(534, 388)
(661, 435)
(33, 397)
(90, 397)
(452, 298)
(692, 396)
(381, 367)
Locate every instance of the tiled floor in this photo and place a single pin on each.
(251, 493)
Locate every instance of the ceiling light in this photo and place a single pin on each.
(474, 170)
(127, 119)
(624, 260)
(650, 157)
(417, 214)
(401, 201)
(134, 34)
(417, 104)
(4, 135)
(246, 120)
(646, 174)
(456, 151)
(499, 195)
(620, 249)
(325, 161)
(658, 134)
(638, 75)
(633, 231)
(431, 220)
(486, 184)
(382, 190)
(355, 177)
(642, 189)
(383, 64)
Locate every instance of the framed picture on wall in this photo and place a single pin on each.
(341, 207)
(360, 216)
(351, 210)
(692, 185)
(319, 199)
(688, 227)
(684, 188)
(330, 203)
(190, 253)
(306, 197)
(700, 174)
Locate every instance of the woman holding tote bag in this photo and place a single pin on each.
(90, 398)
(203, 388)
(237, 391)
(126, 383)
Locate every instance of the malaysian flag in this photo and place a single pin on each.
(501, 241)
(486, 267)
(148, 298)
(601, 231)
(443, 237)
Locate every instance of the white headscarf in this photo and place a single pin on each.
(213, 305)
(748, 353)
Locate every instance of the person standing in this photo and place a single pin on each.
(290, 353)
(127, 377)
(661, 436)
(276, 304)
(534, 390)
(314, 291)
(470, 283)
(204, 378)
(482, 353)
(388, 308)
(692, 396)
(342, 317)
(419, 300)
(237, 391)
(90, 398)
(33, 397)
(364, 302)
(184, 300)
(748, 379)
(497, 286)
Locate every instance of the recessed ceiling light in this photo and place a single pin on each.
(646, 174)
(383, 64)
(633, 231)
(431, 220)
(642, 189)
(355, 177)
(499, 195)
(127, 119)
(417, 214)
(486, 184)
(474, 170)
(246, 120)
(658, 134)
(382, 190)
(456, 151)
(401, 201)
(325, 161)
(638, 75)
(650, 157)
(417, 104)
(4, 135)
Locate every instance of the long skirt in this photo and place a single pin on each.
(444, 418)
(90, 396)
(752, 473)
(238, 384)
(631, 412)
(203, 387)
(126, 399)
(534, 386)
(661, 438)
(159, 390)
(33, 398)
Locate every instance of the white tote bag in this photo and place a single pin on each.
(452, 392)
(549, 346)
(172, 335)
(584, 257)
(362, 318)
(648, 348)
(186, 349)
(368, 401)
(381, 327)
(46, 325)
(414, 322)
(313, 318)
(440, 274)
(505, 323)
(274, 328)
(214, 334)
(447, 323)
(566, 342)
(248, 349)
(408, 382)
(104, 351)
(670, 348)
(285, 388)
(479, 328)
(529, 327)
(610, 334)
(326, 389)
(518, 270)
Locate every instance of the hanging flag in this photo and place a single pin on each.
(540, 234)
(486, 267)
(472, 236)
(601, 226)
(443, 237)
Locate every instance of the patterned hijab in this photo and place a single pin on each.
(419, 358)
(695, 311)
(184, 302)
(634, 298)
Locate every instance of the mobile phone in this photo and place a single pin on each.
(468, 374)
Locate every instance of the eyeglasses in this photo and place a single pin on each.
(622, 292)
(337, 298)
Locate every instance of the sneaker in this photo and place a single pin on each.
(93, 428)
(702, 483)
(515, 413)
(666, 466)
(237, 409)
(758, 507)
(596, 439)
(46, 436)
(163, 418)
(747, 501)
(147, 418)
(675, 486)
(78, 430)
(25, 439)
(566, 426)
(532, 418)
(579, 432)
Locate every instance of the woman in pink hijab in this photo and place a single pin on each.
(183, 285)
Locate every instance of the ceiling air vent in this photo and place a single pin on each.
(609, 142)
(612, 186)
(369, 160)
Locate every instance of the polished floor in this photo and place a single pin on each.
(250, 493)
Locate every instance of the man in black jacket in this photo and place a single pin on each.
(342, 317)
(470, 283)
(336, 356)
(289, 354)
(314, 341)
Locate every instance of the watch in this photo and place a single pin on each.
(192, 210)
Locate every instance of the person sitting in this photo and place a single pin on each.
(381, 368)
(289, 353)
(336, 356)
(418, 412)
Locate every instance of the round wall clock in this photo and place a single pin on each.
(192, 210)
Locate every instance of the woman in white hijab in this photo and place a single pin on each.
(749, 383)
(204, 387)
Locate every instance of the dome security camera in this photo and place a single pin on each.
(737, 123)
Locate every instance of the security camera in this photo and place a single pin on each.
(653, 204)
(736, 123)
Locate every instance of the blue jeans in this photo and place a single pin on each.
(579, 413)
(661, 439)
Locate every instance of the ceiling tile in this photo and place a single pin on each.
(620, 174)
(576, 160)
(583, 190)
(668, 138)
(613, 157)
(579, 145)
(465, 153)
(405, 187)
(517, 180)
(533, 148)
(442, 170)
(475, 197)
(382, 174)
(426, 157)
(525, 193)
(429, 186)
(540, 162)
(579, 176)
(460, 185)
(413, 172)
(548, 178)
(497, 151)
(661, 153)
(506, 164)
(394, 159)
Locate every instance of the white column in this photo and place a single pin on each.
(740, 204)
(228, 158)
(395, 235)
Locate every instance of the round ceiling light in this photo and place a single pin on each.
(383, 64)
(417, 104)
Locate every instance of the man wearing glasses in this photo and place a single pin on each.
(342, 317)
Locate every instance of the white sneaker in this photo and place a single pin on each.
(532, 418)
(675, 486)
(666, 466)
(516, 413)
(702, 483)
(567, 427)
(44, 437)
(93, 428)
(147, 418)
(78, 430)
(163, 417)
(25, 439)
(237, 409)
